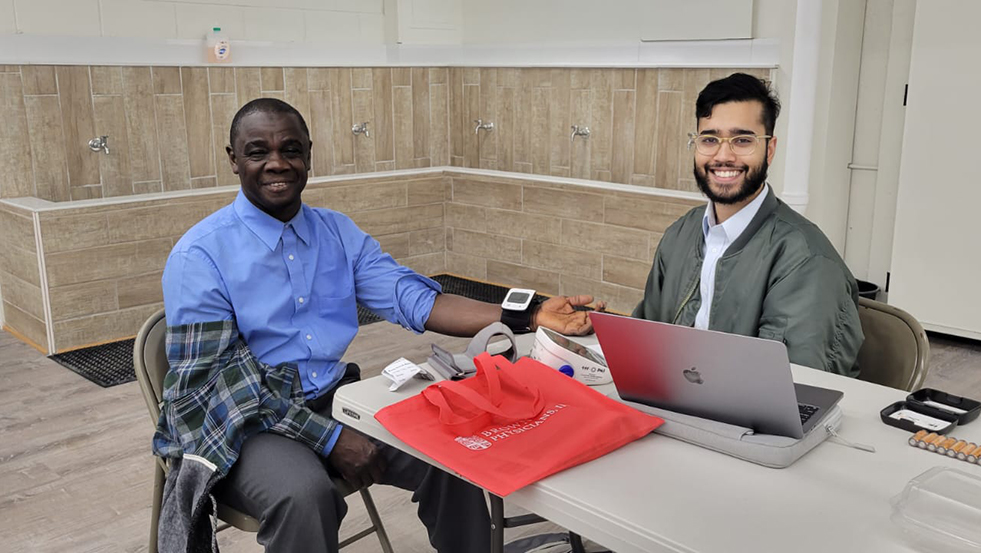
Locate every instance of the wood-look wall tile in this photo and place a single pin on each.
(86, 192)
(107, 262)
(197, 117)
(401, 76)
(139, 290)
(467, 266)
(438, 75)
(384, 166)
(221, 80)
(487, 193)
(24, 295)
(509, 77)
(395, 245)
(171, 134)
(420, 112)
(26, 325)
(426, 241)
(580, 206)
(381, 91)
(645, 121)
(318, 78)
(203, 182)
(624, 79)
(581, 147)
(223, 108)
(361, 78)
(364, 197)
(39, 79)
(47, 139)
(80, 300)
(558, 118)
(491, 246)
(166, 80)
(75, 96)
(672, 79)
(86, 331)
(471, 140)
(297, 92)
(601, 114)
(529, 226)
(536, 77)
(321, 133)
(342, 119)
(513, 275)
(610, 240)
(429, 264)
(402, 127)
(628, 272)
(17, 178)
(687, 185)
(539, 132)
(141, 124)
(580, 78)
(399, 219)
(248, 84)
(521, 141)
(457, 112)
(271, 79)
(622, 162)
(428, 190)
(488, 111)
(17, 230)
(670, 140)
(148, 187)
(505, 129)
(561, 259)
(106, 80)
(467, 217)
(619, 299)
(439, 122)
(364, 147)
(471, 76)
(158, 221)
(21, 263)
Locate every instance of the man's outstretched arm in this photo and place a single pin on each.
(459, 316)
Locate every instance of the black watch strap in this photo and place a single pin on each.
(520, 321)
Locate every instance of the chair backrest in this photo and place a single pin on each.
(150, 361)
(896, 352)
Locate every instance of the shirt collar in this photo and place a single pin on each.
(268, 228)
(735, 225)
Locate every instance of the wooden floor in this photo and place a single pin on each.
(75, 464)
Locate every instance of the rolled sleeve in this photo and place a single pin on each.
(332, 441)
(414, 299)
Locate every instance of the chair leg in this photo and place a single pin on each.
(369, 505)
(158, 487)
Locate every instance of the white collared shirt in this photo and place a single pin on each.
(718, 237)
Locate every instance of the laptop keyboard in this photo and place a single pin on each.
(806, 411)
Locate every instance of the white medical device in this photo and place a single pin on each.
(568, 357)
(518, 299)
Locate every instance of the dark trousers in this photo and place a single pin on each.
(287, 487)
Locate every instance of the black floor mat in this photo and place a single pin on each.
(112, 364)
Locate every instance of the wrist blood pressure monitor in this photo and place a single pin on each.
(571, 358)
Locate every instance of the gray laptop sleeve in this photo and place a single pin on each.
(763, 449)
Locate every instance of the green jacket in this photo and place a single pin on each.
(780, 280)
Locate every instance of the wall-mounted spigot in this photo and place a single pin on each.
(481, 125)
(100, 143)
(579, 131)
(361, 129)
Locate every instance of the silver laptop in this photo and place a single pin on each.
(726, 377)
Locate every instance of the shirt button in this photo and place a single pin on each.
(309, 337)
(300, 299)
(291, 257)
(313, 375)
(714, 250)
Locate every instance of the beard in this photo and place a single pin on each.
(752, 181)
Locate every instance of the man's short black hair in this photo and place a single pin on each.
(739, 87)
(264, 105)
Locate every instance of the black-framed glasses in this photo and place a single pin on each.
(741, 144)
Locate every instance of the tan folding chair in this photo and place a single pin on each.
(896, 352)
(150, 362)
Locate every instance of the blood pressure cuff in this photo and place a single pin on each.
(454, 366)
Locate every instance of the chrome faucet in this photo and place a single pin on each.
(100, 143)
(361, 129)
(481, 125)
(579, 131)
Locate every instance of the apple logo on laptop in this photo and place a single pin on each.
(693, 376)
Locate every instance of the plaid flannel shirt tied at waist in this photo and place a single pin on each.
(217, 394)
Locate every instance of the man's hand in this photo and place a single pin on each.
(557, 313)
(357, 459)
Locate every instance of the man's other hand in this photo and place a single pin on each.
(559, 314)
(357, 459)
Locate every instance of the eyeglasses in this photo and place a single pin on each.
(741, 144)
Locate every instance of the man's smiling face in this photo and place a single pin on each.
(271, 156)
(727, 178)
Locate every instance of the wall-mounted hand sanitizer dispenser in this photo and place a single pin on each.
(569, 357)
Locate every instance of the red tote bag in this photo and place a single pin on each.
(513, 424)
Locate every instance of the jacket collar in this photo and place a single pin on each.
(770, 204)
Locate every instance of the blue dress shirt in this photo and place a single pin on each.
(292, 288)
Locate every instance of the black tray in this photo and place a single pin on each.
(911, 426)
(920, 397)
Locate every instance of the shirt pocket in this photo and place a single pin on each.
(338, 305)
